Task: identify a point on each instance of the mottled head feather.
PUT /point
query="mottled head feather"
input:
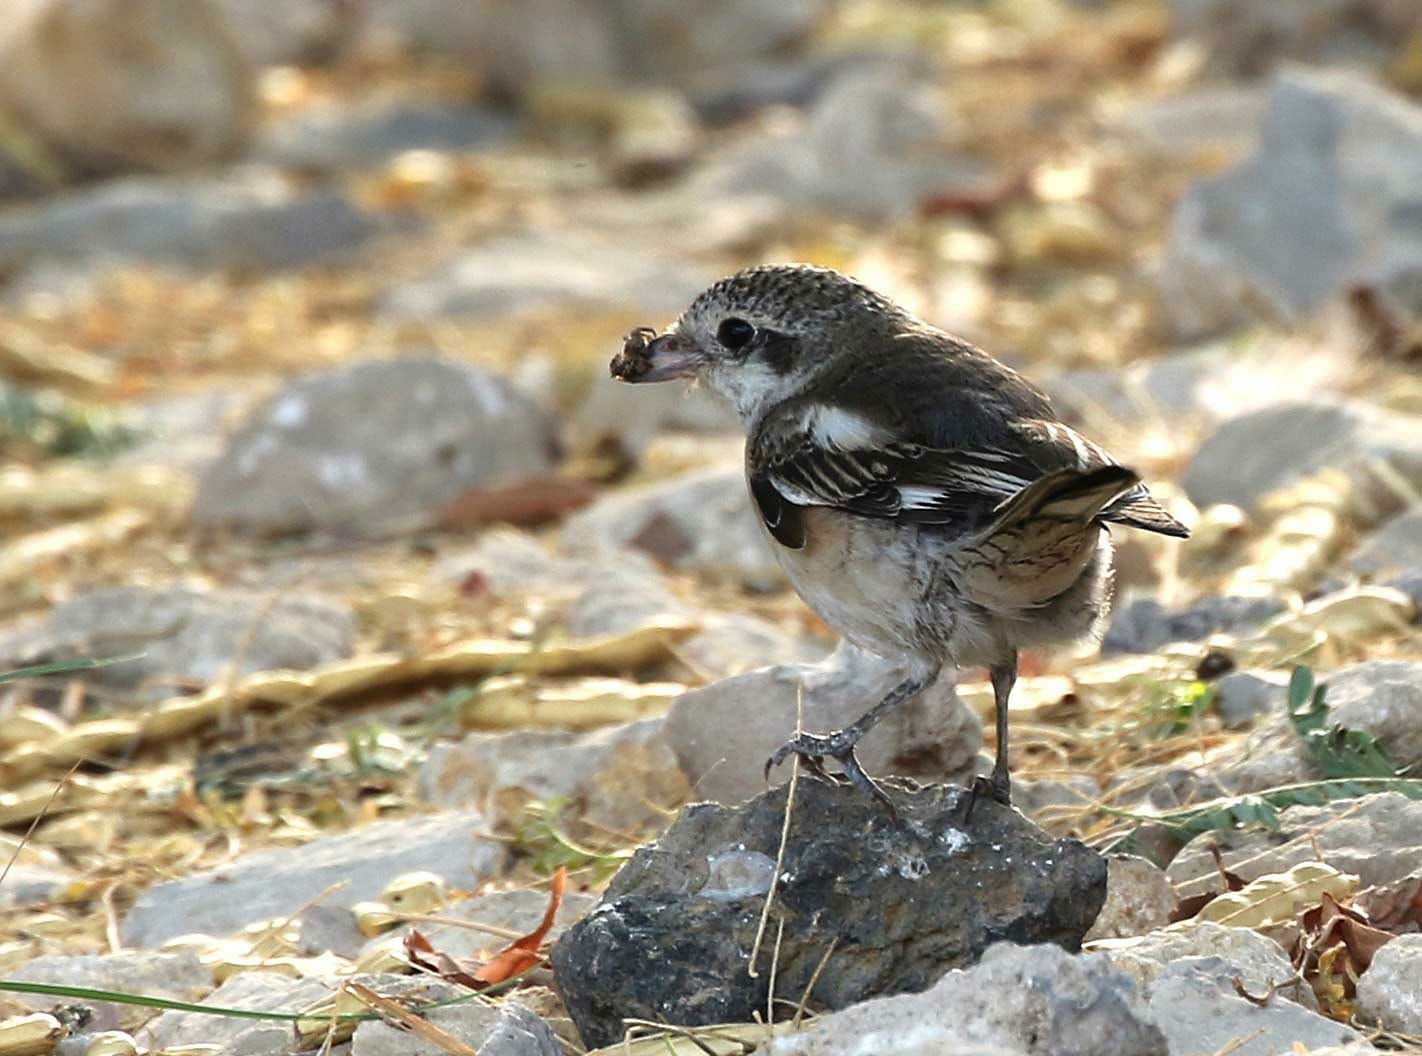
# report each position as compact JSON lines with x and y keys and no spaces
{"x":795,"y":295}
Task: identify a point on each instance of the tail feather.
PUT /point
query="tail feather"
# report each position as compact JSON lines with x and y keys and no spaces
{"x":1066,"y":495}
{"x":1137,"y":509}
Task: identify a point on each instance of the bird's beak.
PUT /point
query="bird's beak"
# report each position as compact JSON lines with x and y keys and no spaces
{"x":645,"y":358}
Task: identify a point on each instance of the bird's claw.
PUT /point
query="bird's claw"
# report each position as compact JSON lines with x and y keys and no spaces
{"x":998,"y":788}
{"x":813,"y":748}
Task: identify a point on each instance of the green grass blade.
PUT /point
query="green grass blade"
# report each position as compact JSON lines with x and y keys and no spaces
{"x":64,"y":667}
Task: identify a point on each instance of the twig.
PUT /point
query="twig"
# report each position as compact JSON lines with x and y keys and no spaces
{"x":810,"y":986}
{"x":774,"y":972}
{"x":784,"y":837}
{"x":38,"y":818}
{"x":416,"y":1025}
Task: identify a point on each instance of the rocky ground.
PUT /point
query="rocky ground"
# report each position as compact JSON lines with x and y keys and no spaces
{"x":417,"y":628}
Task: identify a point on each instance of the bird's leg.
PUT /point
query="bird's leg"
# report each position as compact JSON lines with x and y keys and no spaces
{"x":999,"y":786}
{"x":840,"y":744}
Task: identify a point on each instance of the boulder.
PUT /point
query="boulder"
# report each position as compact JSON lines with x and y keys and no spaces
{"x":671,"y":939}
{"x":1395,"y":547}
{"x":377,"y":445}
{"x":1382,"y":698}
{"x":1390,"y":991}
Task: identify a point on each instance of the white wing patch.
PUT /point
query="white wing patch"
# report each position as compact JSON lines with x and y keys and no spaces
{"x":835,"y":427}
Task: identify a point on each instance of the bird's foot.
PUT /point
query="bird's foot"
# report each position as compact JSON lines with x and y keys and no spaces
{"x":998,"y":788}
{"x":812,"y":750}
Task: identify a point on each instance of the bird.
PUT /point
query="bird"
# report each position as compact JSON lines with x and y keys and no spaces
{"x":922,"y":497}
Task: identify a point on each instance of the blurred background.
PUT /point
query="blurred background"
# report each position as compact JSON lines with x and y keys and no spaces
{"x":305,"y":315}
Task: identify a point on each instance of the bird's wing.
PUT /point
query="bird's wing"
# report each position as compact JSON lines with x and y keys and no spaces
{"x":816,"y":455}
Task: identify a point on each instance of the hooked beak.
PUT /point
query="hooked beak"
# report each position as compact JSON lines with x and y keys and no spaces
{"x":648,"y":358}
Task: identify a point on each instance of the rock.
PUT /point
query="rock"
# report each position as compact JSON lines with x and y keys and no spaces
{"x":170,"y":976}
{"x":187,"y":637}
{"x":249,"y":222}
{"x":1243,"y":696}
{"x":256,"y":991}
{"x":379,"y":443}
{"x":723,"y":733}
{"x":616,"y":597}
{"x":1410,"y":584}
{"x":1031,"y":1000}
{"x":632,"y":416}
{"x":183,"y":432}
{"x":1244,"y":39}
{"x":877,"y":142}
{"x":1196,"y":1007}
{"x":734,"y":644}
{"x":1390,"y":991}
{"x":1382,"y":698}
{"x":1213,"y":120}
{"x":1034,"y":797}
{"x":1377,"y":838}
{"x":672,"y":936}
{"x":529,"y":271}
{"x":1139,"y":899}
{"x":339,"y":138}
{"x":294,"y":32}
{"x":1248,"y":457}
{"x":1330,"y":197}
{"x":278,"y":882}
{"x":640,"y":40}
{"x":519,"y":911}
{"x":1394,"y":547}
{"x":117,"y":85}
{"x":621,"y":779}
{"x":30,"y":885}
{"x":503,"y":1030}
{"x":1145,"y":625}
{"x":331,"y":929}
{"x":1260,"y":963}
{"x":700,"y":522}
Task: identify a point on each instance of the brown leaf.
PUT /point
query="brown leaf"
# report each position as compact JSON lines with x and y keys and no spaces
{"x":514,"y":959}
{"x":1395,"y":907}
{"x":526,"y":503}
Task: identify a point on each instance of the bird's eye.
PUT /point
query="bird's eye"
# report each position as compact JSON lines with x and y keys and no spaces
{"x":735,"y":333}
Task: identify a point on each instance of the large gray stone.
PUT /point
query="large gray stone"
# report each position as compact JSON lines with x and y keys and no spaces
{"x":277,"y":882}
{"x":1196,"y":1006}
{"x":1382,"y":698}
{"x":117,"y":85}
{"x":723,"y":733}
{"x":672,"y":937}
{"x":254,"y":991}
{"x":1028,"y":1000}
{"x":1390,"y":991}
{"x":252,"y":222}
{"x":700,"y":522}
{"x":1377,"y":838}
{"x":876,"y":142}
{"x":1249,"y":456}
{"x":171,"y":976}
{"x":507,"y":1029}
{"x":380,"y":444}
{"x":1259,"y":962}
{"x":186,"y":637}
{"x":1395,"y":547}
{"x":1333,"y":195}
{"x":1145,"y":625}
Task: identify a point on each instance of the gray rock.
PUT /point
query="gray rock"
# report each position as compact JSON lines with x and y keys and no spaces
{"x":246,"y":222}
{"x":523,"y":272}
{"x":519,"y":911}
{"x":172,"y":976}
{"x":1031,"y":1000}
{"x":1195,"y":1005}
{"x":1038,"y":796}
{"x":380,"y":443}
{"x":620,"y":779}
{"x":338,"y":138}
{"x":1260,"y":963}
{"x":1378,"y":838}
{"x":1330,"y":197}
{"x":185,"y":432}
{"x":280,"y":881}
{"x":1394,"y":547}
{"x":632,"y":416}
{"x":876,"y":142}
{"x":1410,"y":583}
{"x":1248,"y":457}
{"x":1139,"y":899}
{"x":331,"y":929}
{"x":31,"y":884}
{"x":616,"y":597}
{"x":1214,"y":119}
{"x":1390,"y":991}
{"x":723,"y":733}
{"x":1242,"y":39}
{"x":1243,"y":696}
{"x":1382,"y":698}
{"x":672,"y":936}
{"x":701,"y":522}
{"x":294,"y":32}
{"x":185,"y":636}
{"x":733,"y":644}
{"x":117,"y":85}
{"x":504,"y":1030}
{"x":657,"y":40}
{"x":1145,"y":624}
{"x":255,"y":991}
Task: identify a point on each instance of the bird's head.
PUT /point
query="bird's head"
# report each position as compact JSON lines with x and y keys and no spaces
{"x":759,"y":336}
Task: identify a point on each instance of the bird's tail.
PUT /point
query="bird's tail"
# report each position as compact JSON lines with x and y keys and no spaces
{"x":1072,"y":495}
